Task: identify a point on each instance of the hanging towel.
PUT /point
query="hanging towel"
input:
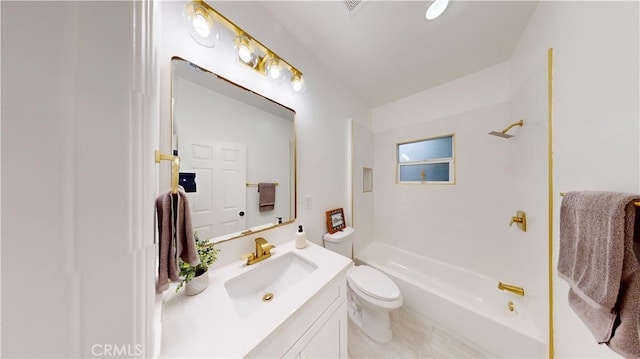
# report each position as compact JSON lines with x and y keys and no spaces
{"x":176,"y":237}
{"x":267,"y":199}
{"x":597,"y":259}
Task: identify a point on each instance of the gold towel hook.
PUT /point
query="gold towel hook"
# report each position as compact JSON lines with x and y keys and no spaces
{"x":175,"y":168}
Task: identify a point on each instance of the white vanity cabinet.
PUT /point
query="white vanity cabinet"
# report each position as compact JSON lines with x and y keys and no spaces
{"x":304,"y":319}
{"x":318,"y":329}
{"x":330,"y":341}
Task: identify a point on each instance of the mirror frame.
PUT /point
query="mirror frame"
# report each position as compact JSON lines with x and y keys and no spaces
{"x":294,"y":191}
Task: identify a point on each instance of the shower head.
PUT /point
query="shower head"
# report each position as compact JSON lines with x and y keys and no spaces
{"x":500,"y":134}
{"x":504,"y":133}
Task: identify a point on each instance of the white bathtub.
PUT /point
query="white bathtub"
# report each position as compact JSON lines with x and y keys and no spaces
{"x":464,"y":303}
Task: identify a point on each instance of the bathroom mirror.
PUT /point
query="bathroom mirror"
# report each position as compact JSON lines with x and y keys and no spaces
{"x":232,"y":139}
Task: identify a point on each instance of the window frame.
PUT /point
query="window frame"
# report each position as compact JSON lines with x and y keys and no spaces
{"x":450,"y":160}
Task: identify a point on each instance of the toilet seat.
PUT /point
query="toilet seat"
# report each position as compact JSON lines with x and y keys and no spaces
{"x":373,"y":283}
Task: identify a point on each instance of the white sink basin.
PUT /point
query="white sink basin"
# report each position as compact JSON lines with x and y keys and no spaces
{"x":267,"y":282}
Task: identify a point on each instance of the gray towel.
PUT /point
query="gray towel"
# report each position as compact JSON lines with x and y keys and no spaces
{"x":596,"y":258}
{"x":267,"y":199}
{"x":176,"y":237}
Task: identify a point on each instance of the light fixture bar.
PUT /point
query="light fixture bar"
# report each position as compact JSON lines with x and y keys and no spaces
{"x":260,"y":67}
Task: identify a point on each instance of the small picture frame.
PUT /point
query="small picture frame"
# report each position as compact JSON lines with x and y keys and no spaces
{"x":335,"y":220}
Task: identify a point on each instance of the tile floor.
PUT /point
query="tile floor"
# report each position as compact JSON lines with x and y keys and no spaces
{"x":411,"y":339}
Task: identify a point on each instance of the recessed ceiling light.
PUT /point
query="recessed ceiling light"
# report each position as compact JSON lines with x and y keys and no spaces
{"x":436,"y":9}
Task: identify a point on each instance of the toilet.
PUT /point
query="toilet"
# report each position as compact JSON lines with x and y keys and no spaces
{"x":371,"y":295}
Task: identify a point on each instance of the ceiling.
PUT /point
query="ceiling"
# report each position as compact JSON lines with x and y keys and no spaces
{"x":387,"y":50}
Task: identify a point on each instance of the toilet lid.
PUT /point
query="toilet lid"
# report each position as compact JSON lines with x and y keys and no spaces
{"x":374,"y":283}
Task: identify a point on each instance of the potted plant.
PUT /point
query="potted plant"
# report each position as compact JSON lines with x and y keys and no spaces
{"x":196,"y":278}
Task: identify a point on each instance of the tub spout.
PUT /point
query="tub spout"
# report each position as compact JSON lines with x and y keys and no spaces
{"x":511,"y":288}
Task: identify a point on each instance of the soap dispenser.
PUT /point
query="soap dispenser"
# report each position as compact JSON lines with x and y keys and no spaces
{"x":301,"y":238}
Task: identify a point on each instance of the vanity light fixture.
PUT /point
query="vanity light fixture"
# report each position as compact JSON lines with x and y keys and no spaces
{"x":436,"y":9}
{"x":200,"y":23}
{"x":202,"y":17}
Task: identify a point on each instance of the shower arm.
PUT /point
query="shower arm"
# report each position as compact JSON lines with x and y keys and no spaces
{"x":519,"y":123}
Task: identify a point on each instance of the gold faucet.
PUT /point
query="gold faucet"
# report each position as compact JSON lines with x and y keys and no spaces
{"x":511,"y":288}
{"x":263,"y":251}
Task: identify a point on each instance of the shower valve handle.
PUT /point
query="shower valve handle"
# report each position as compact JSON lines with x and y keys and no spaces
{"x":521,"y":219}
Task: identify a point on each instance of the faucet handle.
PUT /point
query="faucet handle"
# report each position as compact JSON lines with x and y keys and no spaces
{"x":266,"y":248}
{"x":248,"y":257}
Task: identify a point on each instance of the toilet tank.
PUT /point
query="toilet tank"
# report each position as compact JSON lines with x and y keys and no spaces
{"x":340,"y":242}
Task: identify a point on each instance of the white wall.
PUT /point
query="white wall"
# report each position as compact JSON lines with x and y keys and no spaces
{"x":483,"y":88}
{"x":363,"y":205}
{"x":595,"y":116}
{"x":77,"y":190}
{"x":457,"y":223}
{"x":467,"y":224}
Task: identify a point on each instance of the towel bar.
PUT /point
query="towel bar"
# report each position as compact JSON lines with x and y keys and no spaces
{"x":255,"y":184}
{"x":636,"y":203}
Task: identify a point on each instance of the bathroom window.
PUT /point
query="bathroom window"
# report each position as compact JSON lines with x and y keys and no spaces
{"x":427,"y":161}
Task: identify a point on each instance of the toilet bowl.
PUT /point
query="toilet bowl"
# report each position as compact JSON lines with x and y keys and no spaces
{"x":374,"y":296}
{"x":371,"y":295}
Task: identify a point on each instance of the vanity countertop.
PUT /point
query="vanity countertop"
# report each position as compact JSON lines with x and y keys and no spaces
{"x":209,"y":325}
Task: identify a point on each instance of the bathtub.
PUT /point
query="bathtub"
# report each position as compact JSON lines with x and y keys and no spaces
{"x":463,"y":303}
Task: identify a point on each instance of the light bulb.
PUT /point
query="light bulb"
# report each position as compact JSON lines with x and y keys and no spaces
{"x":297,"y":83}
{"x":436,"y":9}
{"x":201,"y":26}
{"x":275,"y":72}
{"x":245,"y":51}
{"x":274,"y":69}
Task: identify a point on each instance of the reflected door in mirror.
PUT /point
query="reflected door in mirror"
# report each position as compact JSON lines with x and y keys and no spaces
{"x":218,"y":205}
